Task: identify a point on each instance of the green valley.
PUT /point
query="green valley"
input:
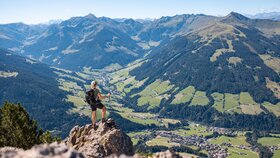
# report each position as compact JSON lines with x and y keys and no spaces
{"x":205,"y":86}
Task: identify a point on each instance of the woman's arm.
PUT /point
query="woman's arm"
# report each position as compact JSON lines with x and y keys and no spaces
{"x":101,"y":97}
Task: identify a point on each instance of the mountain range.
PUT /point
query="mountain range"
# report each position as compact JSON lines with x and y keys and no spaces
{"x":189,"y":62}
{"x":75,"y":43}
{"x":95,"y":42}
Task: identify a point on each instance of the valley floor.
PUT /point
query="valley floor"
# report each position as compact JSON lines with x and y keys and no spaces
{"x":192,"y":140}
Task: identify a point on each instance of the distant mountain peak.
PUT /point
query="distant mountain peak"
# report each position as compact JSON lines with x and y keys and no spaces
{"x":236,"y":16}
{"x":91,"y":16}
{"x":130,"y":20}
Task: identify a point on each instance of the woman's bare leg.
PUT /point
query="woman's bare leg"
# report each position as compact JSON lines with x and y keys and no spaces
{"x":93,"y":117}
{"x":103,"y":112}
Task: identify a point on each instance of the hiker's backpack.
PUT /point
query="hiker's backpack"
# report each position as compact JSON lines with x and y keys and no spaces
{"x":90,"y":98}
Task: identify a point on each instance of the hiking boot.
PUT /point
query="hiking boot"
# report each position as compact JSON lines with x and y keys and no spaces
{"x":103,"y":120}
{"x":95,"y":126}
{"x":111,"y":123}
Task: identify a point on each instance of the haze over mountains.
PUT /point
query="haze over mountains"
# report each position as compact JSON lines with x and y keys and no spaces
{"x":270,"y":15}
{"x":89,"y":39}
{"x":214,"y":57}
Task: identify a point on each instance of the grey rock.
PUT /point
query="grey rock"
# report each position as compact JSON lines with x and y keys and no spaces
{"x":53,"y":150}
{"x":8,"y":152}
{"x":85,"y":142}
{"x":107,"y":139}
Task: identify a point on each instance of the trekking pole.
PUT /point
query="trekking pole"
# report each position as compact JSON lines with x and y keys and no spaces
{"x":85,"y":102}
{"x":110,"y":96}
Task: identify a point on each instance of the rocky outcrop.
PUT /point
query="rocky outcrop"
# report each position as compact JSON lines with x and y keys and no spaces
{"x":107,"y":139}
{"x":56,"y":150}
{"x":85,"y":142}
{"x":53,"y":150}
{"x":8,"y":152}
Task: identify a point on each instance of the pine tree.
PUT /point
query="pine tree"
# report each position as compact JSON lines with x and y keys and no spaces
{"x":48,"y":138}
{"x":18,"y":130}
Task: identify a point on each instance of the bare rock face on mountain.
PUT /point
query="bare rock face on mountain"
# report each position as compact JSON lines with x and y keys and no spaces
{"x":107,"y":139}
{"x":53,"y":150}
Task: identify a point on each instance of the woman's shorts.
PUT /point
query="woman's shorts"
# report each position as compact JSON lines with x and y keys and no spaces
{"x":98,"y":105}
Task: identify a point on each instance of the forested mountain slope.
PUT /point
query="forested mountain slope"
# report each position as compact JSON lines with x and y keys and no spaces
{"x":35,"y":86}
{"x":233,"y":55}
{"x":225,"y":72}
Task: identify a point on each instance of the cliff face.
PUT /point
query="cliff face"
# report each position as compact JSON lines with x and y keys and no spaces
{"x":107,"y":139}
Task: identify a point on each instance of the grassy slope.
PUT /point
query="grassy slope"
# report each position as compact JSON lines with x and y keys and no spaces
{"x":218,"y":101}
{"x":194,"y":130}
{"x":232,"y":103}
{"x":269,"y":141}
{"x":161,"y":141}
{"x":240,"y":103}
{"x":235,"y":153}
{"x":199,"y":98}
{"x":135,"y":140}
{"x":248,"y":105}
{"x":141,"y":118}
{"x":275,"y":109}
{"x":184,"y":95}
{"x":238,"y":140}
{"x":154,"y":93}
{"x":276,"y":154}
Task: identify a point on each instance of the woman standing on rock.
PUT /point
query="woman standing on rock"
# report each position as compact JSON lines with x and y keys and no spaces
{"x":93,"y":98}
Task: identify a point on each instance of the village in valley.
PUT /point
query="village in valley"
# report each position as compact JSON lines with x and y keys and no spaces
{"x":213,"y":141}
{"x":197,"y":140}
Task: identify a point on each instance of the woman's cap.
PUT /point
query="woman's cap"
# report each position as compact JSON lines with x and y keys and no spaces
{"x":93,"y":83}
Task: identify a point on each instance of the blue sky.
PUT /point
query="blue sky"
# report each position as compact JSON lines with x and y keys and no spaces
{"x":39,"y":11}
